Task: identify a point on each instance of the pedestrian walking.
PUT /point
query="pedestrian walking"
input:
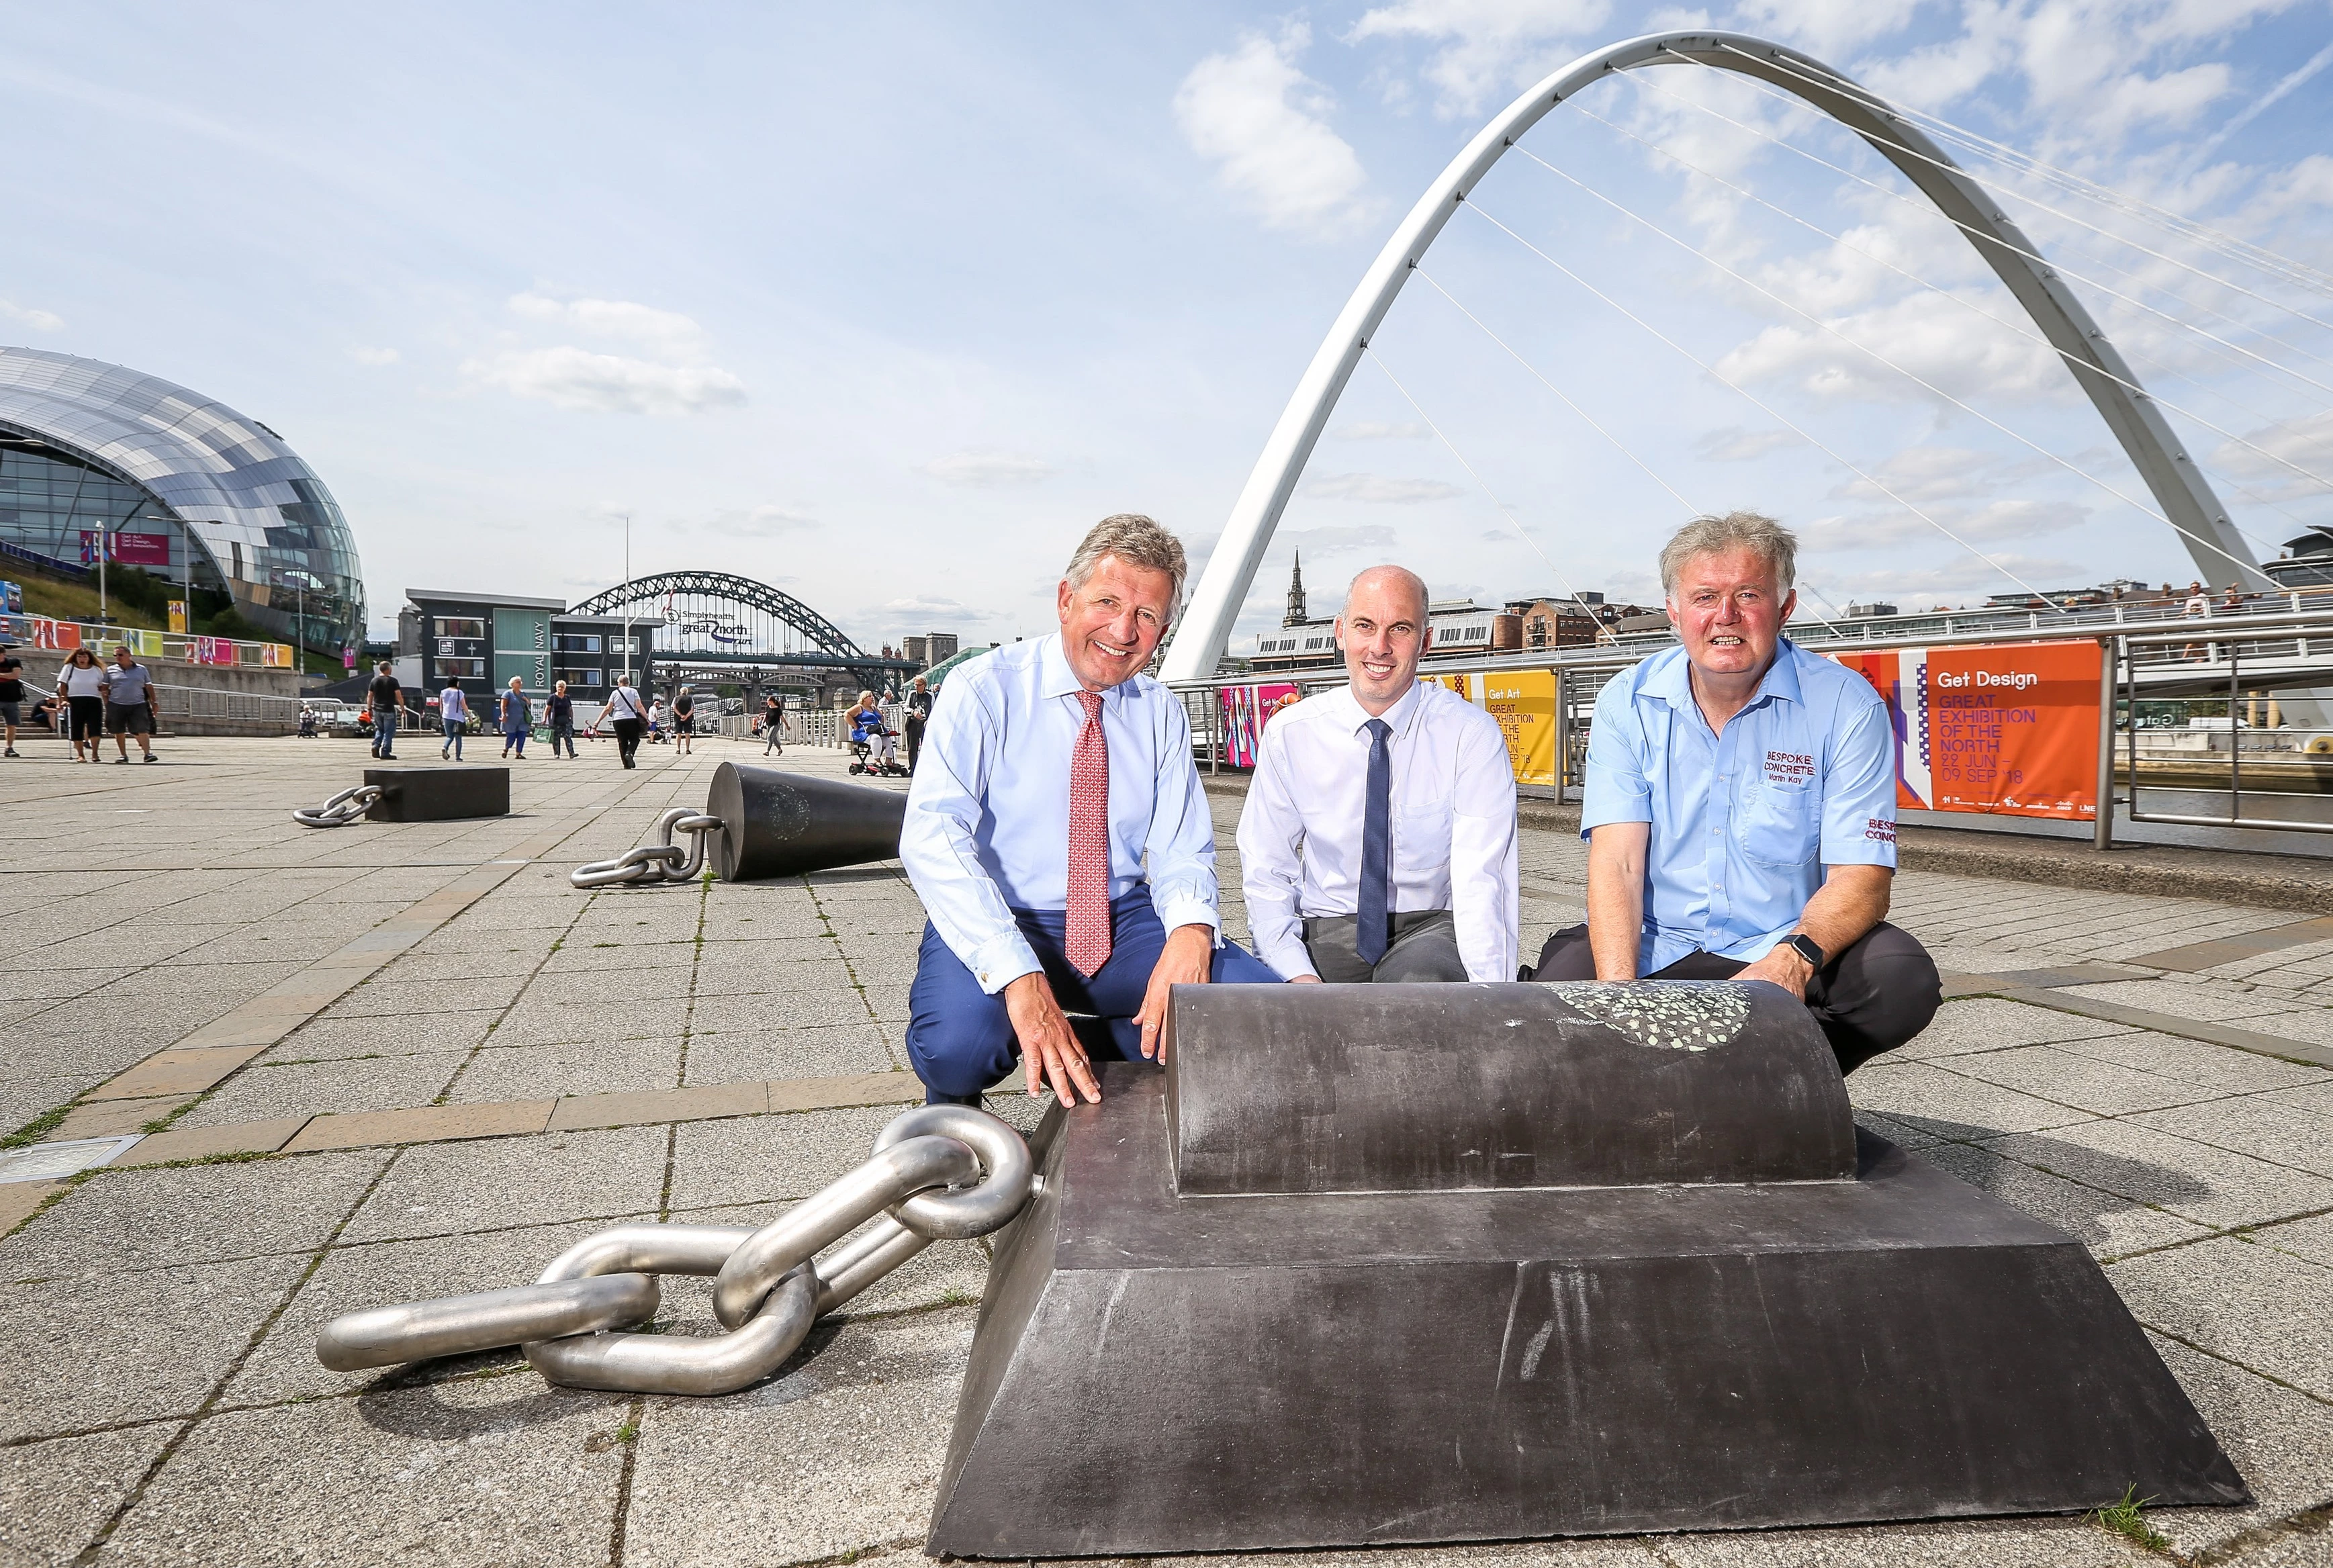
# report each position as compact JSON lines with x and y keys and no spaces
{"x":517,"y":721}
{"x":80,"y":686}
{"x":12,"y":694}
{"x":773,"y":721}
{"x":559,"y":709}
{"x":387,"y":700}
{"x":626,"y":717}
{"x":683,"y":720}
{"x":920,"y":713}
{"x":454,"y":712}
{"x":128,"y":691}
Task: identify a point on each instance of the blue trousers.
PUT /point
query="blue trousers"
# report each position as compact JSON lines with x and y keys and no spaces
{"x":455,"y":730}
{"x":384,"y":733}
{"x":959,"y":1039}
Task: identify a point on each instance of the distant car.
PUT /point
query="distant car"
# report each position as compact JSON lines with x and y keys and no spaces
{"x":339,"y":719}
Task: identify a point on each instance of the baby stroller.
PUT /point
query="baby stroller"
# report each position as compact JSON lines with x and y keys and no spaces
{"x":872,"y":752}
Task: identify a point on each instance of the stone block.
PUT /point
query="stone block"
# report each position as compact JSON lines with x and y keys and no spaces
{"x":421,"y":1124}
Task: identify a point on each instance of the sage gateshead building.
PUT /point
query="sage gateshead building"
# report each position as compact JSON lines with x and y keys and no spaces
{"x":181,"y":487}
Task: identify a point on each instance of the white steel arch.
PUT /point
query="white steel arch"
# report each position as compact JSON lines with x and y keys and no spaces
{"x":2179,"y":487}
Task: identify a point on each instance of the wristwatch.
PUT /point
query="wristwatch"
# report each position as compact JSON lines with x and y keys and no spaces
{"x":1801,"y":944}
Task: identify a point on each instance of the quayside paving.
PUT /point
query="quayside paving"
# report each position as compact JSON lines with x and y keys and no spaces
{"x":389,"y":1062}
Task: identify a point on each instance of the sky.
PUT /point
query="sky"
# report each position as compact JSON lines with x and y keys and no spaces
{"x":885,"y":304}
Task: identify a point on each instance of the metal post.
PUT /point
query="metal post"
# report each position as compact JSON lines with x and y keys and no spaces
{"x":104,"y":618}
{"x":1562,"y":738}
{"x":2235,"y":791}
{"x":2130,"y":663}
{"x":2102,"y":835}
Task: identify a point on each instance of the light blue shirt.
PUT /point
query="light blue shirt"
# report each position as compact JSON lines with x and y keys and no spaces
{"x":1742,"y":823}
{"x":988,"y":816}
{"x":451,"y":705}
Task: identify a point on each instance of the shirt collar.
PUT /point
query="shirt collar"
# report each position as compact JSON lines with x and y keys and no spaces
{"x":1671,"y":681}
{"x":1397,"y":717}
{"x":1056,"y":679}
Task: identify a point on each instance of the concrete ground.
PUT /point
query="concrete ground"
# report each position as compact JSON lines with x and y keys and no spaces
{"x":391,"y":1061}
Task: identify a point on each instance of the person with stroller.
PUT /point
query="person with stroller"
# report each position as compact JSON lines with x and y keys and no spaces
{"x":773,"y":723}
{"x":454,"y":713}
{"x":517,"y":720}
{"x":559,"y":709}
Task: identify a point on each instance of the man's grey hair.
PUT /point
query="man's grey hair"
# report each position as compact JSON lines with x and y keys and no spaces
{"x":1416,"y":585}
{"x":1136,"y":540}
{"x":1775,"y":544}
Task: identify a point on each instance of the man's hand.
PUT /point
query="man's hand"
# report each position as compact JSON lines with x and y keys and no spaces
{"x":1306,"y":980}
{"x":1185,"y":960}
{"x":1050,"y":1053}
{"x":1782,"y":967}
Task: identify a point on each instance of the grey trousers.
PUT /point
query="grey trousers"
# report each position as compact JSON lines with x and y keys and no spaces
{"x":1423,"y":946}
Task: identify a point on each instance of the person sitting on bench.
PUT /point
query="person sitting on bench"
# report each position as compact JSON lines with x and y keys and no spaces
{"x":1740,"y":808}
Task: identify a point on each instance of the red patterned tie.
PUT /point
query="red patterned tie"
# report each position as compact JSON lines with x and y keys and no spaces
{"x":1089,"y":933}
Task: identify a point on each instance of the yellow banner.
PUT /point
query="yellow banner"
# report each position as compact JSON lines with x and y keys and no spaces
{"x":1523,"y":702}
{"x":145,"y":644}
{"x":178,"y":617}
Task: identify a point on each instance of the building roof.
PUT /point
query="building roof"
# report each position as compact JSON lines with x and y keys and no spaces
{"x":454,"y":596}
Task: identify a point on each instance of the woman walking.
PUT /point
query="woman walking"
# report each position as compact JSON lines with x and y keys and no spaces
{"x":516,"y":721}
{"x":625,"y":715}
{"x":561,"y":711}
{"x":683,"y":720}
{"x":773,"y":724}
{"x":454,"y":711}
{"x":81,"y":683}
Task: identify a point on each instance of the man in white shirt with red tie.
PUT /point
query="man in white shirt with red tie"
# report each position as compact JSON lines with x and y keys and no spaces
{"x":1060,"y":843}
{"x":1379,"y":842}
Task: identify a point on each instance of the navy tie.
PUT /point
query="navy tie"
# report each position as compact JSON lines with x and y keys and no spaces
{"x":1377,"y":837}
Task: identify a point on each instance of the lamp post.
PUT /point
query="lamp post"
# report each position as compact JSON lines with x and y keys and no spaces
{"x":628,"y":615}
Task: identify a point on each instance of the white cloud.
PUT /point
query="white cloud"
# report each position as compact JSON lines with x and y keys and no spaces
{"x":364,"y":356}
{"x":1378,"y":489}
{"x":571,"y":378}
{"x":759,"y":523}
{"x":988,"y":470}
{"x":1988,"y":575}
{"x":2306,"y":443}
{"x":1373,"y":537}
{"x":1383,"y":430}
{"x":40,"y":321}
{"x":928,"y":612}
{"x":665,"y":334}
{"x":1263,"y":123}
{"x":1733,"y":444}
{"x":1485,"y":46}
{"x":1960,"y":356}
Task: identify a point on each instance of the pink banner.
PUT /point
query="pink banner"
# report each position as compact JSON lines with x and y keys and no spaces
{"x":1246,"y":709}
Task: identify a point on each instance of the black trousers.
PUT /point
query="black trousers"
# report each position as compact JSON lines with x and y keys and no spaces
{"x":1421,"y":945}
{"x":913,"y":732}
{"x":628,"y":739}
{"x":1872,"y":998}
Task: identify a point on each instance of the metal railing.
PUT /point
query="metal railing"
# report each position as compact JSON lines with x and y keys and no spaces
{"x":2272,"y":643}
{"x":51,"y":635}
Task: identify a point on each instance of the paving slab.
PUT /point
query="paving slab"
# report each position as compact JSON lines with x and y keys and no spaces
{"x":55,"y":1496}
{"x":2252,"y":1304}
{"x":2213,"y":1186}
{"x":266,"y":1091}
{"x":334,"y":1038}
{"x":770,"y":1158}
{"x":1993,"y":1544}
{"x":831,"y":1050}
{"x":124,"y":1219}
{"x":2311,"y":1239}
{"x":540,"y":1071}
{"x":2253,"y":1125}
{"x":2277,"y":1437}
{"x":2108,"y":1224}
{"x":421,"y":1124}
{"x":2198,"y":1062}
{"x":442,"y":1188}
{"x":2210,"y":1001}
{"x":235,"y":1138}
{"x":2087,"y":1082}
{"x":507,"y":1470}
{"x":163,"y":1338}
{"x":1930,"y":1096}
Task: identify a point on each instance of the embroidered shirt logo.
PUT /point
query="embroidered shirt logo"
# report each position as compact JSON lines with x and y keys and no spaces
{"x":1788,"y":767}
{"x":1879,"y":832}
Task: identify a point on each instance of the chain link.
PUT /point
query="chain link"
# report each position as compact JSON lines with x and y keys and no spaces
{"x":938,"y":1172}
{"x":342,"y":810}
{"x":662,"y":860}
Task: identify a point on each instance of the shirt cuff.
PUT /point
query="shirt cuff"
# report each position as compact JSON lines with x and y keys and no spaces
{"x":1187,"y":910}
{"x":1001,"y":960}
{"x":1288,"y":959}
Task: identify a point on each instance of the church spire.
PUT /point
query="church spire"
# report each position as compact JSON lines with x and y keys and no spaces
{"x":1296,"y":616}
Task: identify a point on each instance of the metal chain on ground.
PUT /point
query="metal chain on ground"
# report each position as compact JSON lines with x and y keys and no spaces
{"x":342,"y":810}
{"x":661,"y":862}
{"x":937,"y":1173}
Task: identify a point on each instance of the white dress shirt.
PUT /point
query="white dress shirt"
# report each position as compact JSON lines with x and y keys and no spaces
{"x":1454,"y":843}
{"x":988,"y":816}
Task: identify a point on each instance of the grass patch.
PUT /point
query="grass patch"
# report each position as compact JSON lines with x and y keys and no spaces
{"x":239,"y":1157}
{"x":37,"y":1128}
{"x":627,"y":1431}
{"x":2127,"y":1520}
{"x":956,"y":1295}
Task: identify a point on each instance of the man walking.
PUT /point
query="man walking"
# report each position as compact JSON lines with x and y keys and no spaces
{"x":625,"y":716}
{"x":128,"y":691}
{"x":1741,"y":808}
{"x":12,"y":695}
{"x":1060,"y":842}
{"x":683,"y":720}
{"x":920,"y":713}
{"x":388,"y":702}
{"x":1379,"y":842}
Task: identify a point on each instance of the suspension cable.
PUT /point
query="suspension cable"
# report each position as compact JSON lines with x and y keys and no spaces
{"x":2025,"y":331}
{"x":1908,"y":374}
{"x":1767,"y":409}
{"x":1981,"y":237}
{"x":1839,"y":85}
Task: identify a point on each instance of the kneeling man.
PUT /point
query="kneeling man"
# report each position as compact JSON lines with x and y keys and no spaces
{"x":1741,"y":808}
{"x":1057,"y":837}
{"x":1379,"y":838}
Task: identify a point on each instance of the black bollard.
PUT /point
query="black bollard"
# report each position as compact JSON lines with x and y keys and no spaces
{"x":438,"y":794}
{"x":1369,"y":1264}
{"x":776,"y":824}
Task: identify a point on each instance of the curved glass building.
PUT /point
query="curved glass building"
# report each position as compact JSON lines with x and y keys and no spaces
{"x":190,"y":490}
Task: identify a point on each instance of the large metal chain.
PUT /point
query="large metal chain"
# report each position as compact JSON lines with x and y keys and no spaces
{"x":937,"y":1173}
{"x":661,"y":862}
{"x":342,"y":810}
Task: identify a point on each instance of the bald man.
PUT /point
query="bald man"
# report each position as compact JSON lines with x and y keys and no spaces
{"x":1377,"y":842}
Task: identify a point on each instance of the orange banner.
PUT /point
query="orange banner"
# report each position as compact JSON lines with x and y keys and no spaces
{"x":2009,"y":730}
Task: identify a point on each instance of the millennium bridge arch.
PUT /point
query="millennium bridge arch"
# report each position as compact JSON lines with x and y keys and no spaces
{"x":2179,"y":489}
{"x":717,"y":625}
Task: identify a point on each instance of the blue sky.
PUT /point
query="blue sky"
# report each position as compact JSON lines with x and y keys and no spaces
{"x":885,"y":303}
